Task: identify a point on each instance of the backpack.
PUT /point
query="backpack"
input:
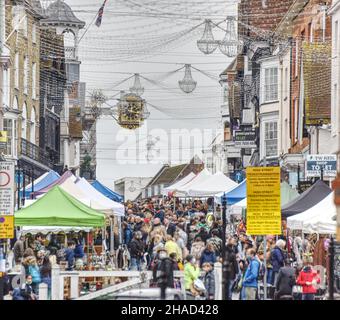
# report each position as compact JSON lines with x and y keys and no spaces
{"x":34,"y":272}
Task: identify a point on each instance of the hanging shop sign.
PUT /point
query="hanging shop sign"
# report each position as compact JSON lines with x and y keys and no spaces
{"x":304,"y":185}
{"x":245,"y":139}
{"x":7,"y":185}
{"x":317,"y":92}
{"x":6,"y":227}
{"x":315,"y":163}
{"x":263,"y":201}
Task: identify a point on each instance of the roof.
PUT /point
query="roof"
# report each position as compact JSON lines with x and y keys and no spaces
{"x":61,"y":13}
{"x":169,"y":174}
{"x":235,"y":65}
{"x":58,"y":208}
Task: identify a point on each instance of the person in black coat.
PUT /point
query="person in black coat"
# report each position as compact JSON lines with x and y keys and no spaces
{"x":163,"y":271}
{"x":169,"y":227}
{"x":136,"y":248}
{"x":285,"y":282}
{"x":232,"y":266}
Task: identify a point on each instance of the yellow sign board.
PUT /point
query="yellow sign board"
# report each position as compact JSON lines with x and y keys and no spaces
{"x":263,"y":201}
{"x":6,"y":227}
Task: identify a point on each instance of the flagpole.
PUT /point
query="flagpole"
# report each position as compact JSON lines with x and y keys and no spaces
{"x":94,"y":19}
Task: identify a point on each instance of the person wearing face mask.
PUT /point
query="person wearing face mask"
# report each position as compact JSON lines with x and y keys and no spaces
{"x":26,"y":291}
{"x":191,"y":272}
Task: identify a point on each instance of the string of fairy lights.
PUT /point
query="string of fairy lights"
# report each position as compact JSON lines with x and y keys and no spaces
{"x":158,"y":27}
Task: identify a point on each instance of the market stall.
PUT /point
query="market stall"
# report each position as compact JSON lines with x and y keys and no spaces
{"x":212,"y":185}
{"x":317,"y":219}
{"x":179,"y":184}
{"x":43,"y":181}
{"x":57,"y":182}
{"x":182,"y":191}
{"x":235,"y":195}
{"x":107,"y":192}
{"x":316,"y":193}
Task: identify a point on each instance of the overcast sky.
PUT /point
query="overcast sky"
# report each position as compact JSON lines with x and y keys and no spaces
{"x":152,"y":38}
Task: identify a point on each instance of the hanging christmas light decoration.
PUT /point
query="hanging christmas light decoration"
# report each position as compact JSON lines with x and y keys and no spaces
{"x":188,"y":84}
{"x":230,"y":45}
{"x":131,"y":111}
{"x":207,"y":44}
{"x":137,"y":86}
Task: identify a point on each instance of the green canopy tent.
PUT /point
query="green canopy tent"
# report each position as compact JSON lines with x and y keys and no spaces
{"x":287,"y":193}
{"x":58,"y":208}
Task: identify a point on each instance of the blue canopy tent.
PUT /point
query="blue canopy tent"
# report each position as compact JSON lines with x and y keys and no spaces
{"x":237,"y":194}
{"x":107,"y":192}
{"x":41,"y":183}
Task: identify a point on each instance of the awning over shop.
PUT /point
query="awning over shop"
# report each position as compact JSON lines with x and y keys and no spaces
{"x":94,"y":195}
{"x":42,"y":182}
{"x":57,"y":182}
{"x":108,"y":193}
{"x":317,"y":192}
{"x":58,"y":208}
{"x":201,"y":177}
{"x":212,"y":186}
{"x":179,"y":183}
{"x":317,"y":219}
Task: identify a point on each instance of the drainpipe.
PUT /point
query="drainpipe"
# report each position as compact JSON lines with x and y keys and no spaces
{"x":2,"y":44}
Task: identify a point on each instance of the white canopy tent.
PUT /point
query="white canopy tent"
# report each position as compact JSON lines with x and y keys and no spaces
{"x":29,"y":186}
{"x":212,"y":186}
{"x":179,"y":183}
{"x":236,"y":209}
{"x":70,"y":187}
{"x":183,"y":190}
{"x":94,"y":195}
{"x":317,"y":219}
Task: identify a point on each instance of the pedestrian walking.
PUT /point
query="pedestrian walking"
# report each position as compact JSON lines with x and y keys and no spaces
{"x":209,"y":280}
{"x":250,"y":281}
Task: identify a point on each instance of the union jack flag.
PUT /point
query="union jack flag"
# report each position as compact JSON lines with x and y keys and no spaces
{"x":100,"y":14}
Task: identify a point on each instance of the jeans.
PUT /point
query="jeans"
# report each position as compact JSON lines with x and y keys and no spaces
{"x":308,"y":296}
{"x":270,"y":279}
{"x":230,"y":292}
{"x":135,"y":264}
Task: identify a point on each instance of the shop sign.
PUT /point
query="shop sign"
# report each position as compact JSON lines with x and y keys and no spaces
{"x":315,"y":163}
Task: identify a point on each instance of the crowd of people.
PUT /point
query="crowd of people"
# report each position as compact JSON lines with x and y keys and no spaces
{"x":163,"y":237}
{"x":187,"y":236}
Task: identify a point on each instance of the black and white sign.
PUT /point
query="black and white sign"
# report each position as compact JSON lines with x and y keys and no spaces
{"x":317,"y":162}
{"x":7,"y":188}
{"x":245,"y":139}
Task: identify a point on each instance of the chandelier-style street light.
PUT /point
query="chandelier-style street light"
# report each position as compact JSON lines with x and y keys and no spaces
{"x":207,"y":44}
{"x":137,"y":86}
{"x":230,"y":45}
{"x":188,"y":84}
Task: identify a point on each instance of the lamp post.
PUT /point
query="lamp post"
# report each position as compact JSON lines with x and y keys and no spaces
{"x":225,"y":273}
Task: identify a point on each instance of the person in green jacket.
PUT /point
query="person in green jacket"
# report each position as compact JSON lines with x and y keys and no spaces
{"x":191,"y":272}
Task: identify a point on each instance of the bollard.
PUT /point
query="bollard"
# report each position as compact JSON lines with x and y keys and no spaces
{"x":218,"y":280}
{"x":43,"y":291}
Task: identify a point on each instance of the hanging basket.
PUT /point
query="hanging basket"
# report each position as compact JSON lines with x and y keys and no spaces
{"x":137,"y":88}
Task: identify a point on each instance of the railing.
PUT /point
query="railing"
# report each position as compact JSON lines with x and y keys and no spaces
{"x":134,"y":278}
{"x":35,"y":153}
